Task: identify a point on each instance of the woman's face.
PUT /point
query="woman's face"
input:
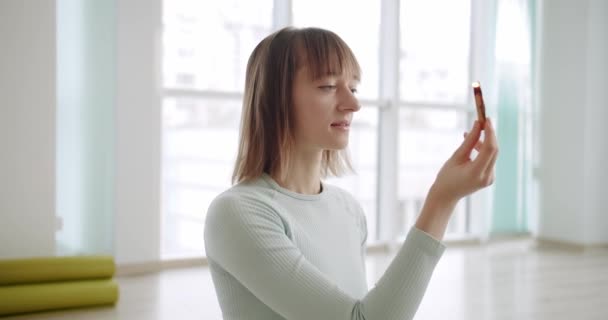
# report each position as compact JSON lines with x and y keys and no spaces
{"x":323,"y":110}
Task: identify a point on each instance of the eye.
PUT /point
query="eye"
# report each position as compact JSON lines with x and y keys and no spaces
{"x":354,"y":90}
{"x":327,"y":87}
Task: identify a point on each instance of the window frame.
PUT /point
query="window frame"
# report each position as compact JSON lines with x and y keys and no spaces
{"x":388,"y":104}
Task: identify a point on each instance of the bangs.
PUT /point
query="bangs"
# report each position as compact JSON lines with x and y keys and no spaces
{"x":326,"y":54}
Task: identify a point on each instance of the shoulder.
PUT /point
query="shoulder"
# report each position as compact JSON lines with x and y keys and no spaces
{"x":239,"y":200}
{"x":239,"y":216}
{"x":240,"y":207}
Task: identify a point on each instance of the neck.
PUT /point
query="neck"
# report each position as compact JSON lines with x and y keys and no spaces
{"x":304,"y":174}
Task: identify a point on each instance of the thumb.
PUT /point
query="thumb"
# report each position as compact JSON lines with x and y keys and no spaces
{"x":464,"y":151}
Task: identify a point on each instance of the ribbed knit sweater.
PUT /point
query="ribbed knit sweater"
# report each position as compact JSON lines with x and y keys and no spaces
{"x":277,"y":254}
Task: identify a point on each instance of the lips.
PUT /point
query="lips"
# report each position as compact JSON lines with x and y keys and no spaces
{"x":341,"y":124}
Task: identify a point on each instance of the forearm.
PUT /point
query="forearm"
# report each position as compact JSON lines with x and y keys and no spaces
{"x":398,"y":293}
{"x":435,"y":215}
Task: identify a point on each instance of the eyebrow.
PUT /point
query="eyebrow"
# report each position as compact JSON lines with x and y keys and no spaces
{"x":334,"y":74}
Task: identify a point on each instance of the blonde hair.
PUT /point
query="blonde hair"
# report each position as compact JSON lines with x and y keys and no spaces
{"x":267,"y":121}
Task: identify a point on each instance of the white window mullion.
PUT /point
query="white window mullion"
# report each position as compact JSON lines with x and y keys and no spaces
{"x":483,"y":15}
{"x":471,"y":115}
{"x":281,"y":14}
{"x":388,"y":141}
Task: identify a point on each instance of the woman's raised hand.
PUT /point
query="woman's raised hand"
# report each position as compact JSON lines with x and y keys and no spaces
{"x":460,"y":176}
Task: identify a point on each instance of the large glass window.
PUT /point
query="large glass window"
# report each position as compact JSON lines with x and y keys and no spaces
{"x":428,"y":137}
{"x":200,"y":137}
{"x":206,"y":45}
{"x":434,"y":89}
{"x":435,"y":42}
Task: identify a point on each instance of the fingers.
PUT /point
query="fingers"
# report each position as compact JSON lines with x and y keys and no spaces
{"x":477,"y":145}
{"x":492,"y":147}
{"x":490,"y":168}
{"x":471,"y":139}
{"x":484,"y":163}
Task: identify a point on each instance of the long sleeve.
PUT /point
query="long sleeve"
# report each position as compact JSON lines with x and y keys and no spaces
{"x":249,"y":240}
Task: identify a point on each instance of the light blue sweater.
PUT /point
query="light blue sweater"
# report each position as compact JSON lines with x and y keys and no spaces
{"x":277,"y":254}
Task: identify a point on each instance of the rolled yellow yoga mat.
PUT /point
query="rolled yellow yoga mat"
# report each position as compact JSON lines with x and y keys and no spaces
{"x":56,"y":295}
{"x":45,"y":269}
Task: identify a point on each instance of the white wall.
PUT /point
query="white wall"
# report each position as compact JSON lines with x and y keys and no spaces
{"x":596,"y":126}
{"x":28,"y":122}
{"x":572,"y":98}
{"x":138,"y":132}
{"x":27,"y":128}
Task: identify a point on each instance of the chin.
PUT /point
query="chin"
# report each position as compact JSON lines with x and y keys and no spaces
{"x":337,"y":145}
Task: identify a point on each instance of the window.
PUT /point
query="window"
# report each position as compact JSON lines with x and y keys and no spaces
{"x":434,"y":77}
{"x":435,"y":41}
{"x":427,"y":138}
{"x":209,"y":42}
{"x":200,"y":138}
{"x":206,"y":46}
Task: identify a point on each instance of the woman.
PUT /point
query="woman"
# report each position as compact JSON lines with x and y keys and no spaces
{"x":281,"y":244}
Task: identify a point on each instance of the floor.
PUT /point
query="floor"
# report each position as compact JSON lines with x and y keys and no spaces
{"x":503,"y":280}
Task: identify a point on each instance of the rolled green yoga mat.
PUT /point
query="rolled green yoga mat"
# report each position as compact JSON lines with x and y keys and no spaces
{"x":43,"y":269}
{"x":48,"y":296}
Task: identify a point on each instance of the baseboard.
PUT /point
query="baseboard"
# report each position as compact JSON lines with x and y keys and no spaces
{"x":507,"y":236}
{"x":548,"y":243}
{"x":130,"y":269}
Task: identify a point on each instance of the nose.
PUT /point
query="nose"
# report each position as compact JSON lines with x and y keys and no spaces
{"x":348,"y":101}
